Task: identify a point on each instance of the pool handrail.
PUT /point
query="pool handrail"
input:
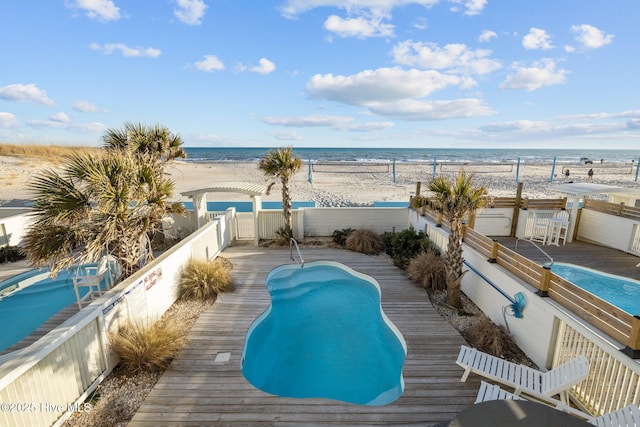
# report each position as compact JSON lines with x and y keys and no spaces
{"x":549,"y":264}
{"x":300,"y":260}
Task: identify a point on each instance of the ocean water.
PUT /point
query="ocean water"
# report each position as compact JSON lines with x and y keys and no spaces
{"x":441,"y":155}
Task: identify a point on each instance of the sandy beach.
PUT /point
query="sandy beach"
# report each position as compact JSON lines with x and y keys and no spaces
{"x":344,"y":185}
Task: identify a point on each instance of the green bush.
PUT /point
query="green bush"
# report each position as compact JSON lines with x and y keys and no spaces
{"x":406,"y":244}
{"x":11,"y":254}
{"x":340,"y":236}
{"x":203,"y":281}
{"x":364,"y":241}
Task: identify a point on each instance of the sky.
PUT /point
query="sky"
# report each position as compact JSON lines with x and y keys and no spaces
{"x":324,"y":73}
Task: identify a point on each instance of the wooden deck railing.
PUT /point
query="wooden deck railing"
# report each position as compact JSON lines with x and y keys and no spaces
{"x":618,"y":324}
{"x":618,"y":209}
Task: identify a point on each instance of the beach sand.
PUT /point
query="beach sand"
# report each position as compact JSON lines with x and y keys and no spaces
{"x":343,"y":185}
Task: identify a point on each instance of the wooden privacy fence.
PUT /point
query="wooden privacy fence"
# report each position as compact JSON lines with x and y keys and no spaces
{"x":618,"y":324}
{"x":618,"y":209}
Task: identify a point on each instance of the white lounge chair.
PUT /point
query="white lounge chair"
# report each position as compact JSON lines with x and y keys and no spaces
{"x":629,"y":416}
{"x":521,"y":378}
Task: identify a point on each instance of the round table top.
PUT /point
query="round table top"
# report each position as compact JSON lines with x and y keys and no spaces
{"x":514,"y":413}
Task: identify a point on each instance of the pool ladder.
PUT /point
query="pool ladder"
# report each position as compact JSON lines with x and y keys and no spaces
{"x":293,"y":243}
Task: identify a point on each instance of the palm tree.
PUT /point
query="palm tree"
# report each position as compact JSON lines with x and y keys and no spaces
{"x":281,"y":163}
{"x":99,"y":205}
{"x":455,"y":199}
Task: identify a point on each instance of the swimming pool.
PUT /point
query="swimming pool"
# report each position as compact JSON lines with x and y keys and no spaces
{"x":325,"y":335}
{"x":620,"y":291}
{"x":36,"y":298}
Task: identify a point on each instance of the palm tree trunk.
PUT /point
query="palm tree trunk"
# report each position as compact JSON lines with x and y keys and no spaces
{"x":454,"y":263}
{"x":286,"y":208}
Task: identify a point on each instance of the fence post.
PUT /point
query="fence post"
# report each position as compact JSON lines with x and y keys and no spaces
{"x":553,"y":168}
{"x":633,"y":346}
{"x":394,"y":171}
{"x":435,"y":164}
{"x":494,"y":252}
{"x":516,"y":210}
{"x":543,"y":287}
{"x":309,"y":177}
{"x":518,"y":170}
{"x":637,"y":169}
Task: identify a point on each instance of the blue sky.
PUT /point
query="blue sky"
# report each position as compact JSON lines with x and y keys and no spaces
{"x":322,"y":73}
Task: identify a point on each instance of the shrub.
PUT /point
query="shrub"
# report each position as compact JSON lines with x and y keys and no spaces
{"x":406,"y":244}
{"x":11,"y":254}
{"x":203,"y":281}
{"x":427,"y":270}
{"x":148,"y":347}
{"x":364,"y":241}
{"x":340,"y":236}
{"x":493,"y":339}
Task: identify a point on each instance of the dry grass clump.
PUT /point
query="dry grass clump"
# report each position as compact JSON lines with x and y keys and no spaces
{"x":493,"y":339}
{"x":427,"y":270}
{"x":203,"y":281}
{"x":364,"y":241}
{"x":48,"y":152}
{"x":148,"y":347}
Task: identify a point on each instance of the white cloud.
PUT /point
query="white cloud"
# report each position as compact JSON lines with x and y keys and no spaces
{"x":264,"y":67}
{"x":382,"y":85}
{"x":591,"y":37}
{"x":59,"y":117}
{"x":486,"y":36}
{"x":341,"y":123}
{"x":101,"y":10}
{"x":287,"y":135}
{"x":190,"y":12}
{"x":291,"y":8}
{"x":540,"y":74}
{"x":68,"y":126}
{"x":472,"y":7}
{"x":109,"y":48}
{"x":85,"y":107}
{"x":25,"y":93}
{"x":537,"y":39}
{"x":433,"y":110}
{"x":453,"y":57}
{"x":209,"y":63}
{"x":8,"y":120}
{"x":360,"y":27}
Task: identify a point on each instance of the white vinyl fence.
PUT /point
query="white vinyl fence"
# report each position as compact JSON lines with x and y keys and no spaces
{"x":44,"y":383}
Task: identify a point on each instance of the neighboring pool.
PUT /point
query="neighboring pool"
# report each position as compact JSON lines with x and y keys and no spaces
{"x":620,"y":291}
{"x":36,"y":299}
{"x":325,"y":335}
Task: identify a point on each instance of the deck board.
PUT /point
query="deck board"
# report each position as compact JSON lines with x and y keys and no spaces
{"x":197,"y":391}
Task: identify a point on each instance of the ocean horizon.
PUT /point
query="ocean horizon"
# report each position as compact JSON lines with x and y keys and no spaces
{"x":440,"y":155}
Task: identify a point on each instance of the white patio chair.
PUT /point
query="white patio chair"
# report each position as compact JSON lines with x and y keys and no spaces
{"x":92,"y":279}
{"x":521,"y":378}
{"x":563,"y":218}
{"x":539,"y":229}
{"x":629,"y":416}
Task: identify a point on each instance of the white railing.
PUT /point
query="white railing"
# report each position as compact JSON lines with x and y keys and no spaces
{"x":614,"y":380}
{"x":46,"y":381}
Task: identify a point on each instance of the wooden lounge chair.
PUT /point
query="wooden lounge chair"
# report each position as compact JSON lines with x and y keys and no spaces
{"x":629,"y":416}
{"x":521,"y":378}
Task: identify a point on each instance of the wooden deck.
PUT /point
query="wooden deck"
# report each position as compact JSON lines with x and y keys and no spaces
{"x":588,"y":255}
{"x":196,"y":390}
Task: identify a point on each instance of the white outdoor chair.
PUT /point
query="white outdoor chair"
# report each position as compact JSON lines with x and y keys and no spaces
{"x":92,"y":279}
{"x":539,"y":229}
{"x":629,"y":416}
{"x":563,"y":218}
{"x":521,"y":378}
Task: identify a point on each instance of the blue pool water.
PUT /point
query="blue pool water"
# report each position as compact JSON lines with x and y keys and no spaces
{"x":325,"y":335}
{"x":30,"y":306}
{"x":620,"y":291}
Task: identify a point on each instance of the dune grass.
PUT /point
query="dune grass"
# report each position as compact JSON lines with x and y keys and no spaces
{"x":49,"y":152}
{"x":364,"y":241}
